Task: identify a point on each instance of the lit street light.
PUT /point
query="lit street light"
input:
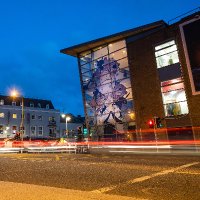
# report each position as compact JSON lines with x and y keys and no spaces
{"x":67,"y":118}
{"x":14,"y":93}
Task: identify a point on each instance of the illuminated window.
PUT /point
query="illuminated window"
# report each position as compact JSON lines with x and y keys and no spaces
{"x":14,"y":115}
{"x":2,"y":102}
{"x":106,"y":85}
{"x":33,"y":130}
{"x":40,"y":130}
{"x":51,"y":118}
{"x":174,"y":97}
{"x":166,"y":54}
{"x":2,"y":115}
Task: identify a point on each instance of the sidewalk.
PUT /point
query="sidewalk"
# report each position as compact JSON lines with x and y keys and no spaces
{"x":20,"y":191}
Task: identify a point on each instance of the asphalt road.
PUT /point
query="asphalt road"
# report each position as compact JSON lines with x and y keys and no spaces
{"x":69,"y":176}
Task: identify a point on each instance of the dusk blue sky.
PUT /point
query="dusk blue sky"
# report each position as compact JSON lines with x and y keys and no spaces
{"x":33,"y":32}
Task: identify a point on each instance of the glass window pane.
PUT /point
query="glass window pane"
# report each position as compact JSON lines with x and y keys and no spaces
{"x":116,"y":46}
{"x":86,"y":68}
{"x":174,"y":96}
{"x":172,"y":81}
{"x":174,"y":109}
{"x":118,"y":54}
{"x":123,"y":63}
{"x":176,"y":86}
{"x":166,"y":50}
{"x":100,"y":53}
{"x":168,"y":59}
{"x":166,"y":44}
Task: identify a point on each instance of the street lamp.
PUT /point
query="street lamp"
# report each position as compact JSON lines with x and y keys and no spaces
{"x":67,"y":119}
{"x":14,"y":93}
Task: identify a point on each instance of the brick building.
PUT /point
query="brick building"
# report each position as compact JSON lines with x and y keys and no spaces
{"x":133,"y":76}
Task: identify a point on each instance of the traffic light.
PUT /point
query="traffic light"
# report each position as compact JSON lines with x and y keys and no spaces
{"x":158,"y":123}
{"x":85,"y":131}
{"x":151,"y":123}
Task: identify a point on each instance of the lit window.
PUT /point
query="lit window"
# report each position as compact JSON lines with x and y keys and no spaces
{"x":40,"y":130}
{"x":116,"y":46}
{"x":47,"y":106}
{"x":2,"y":102}
{"x":33,"y":130}
{"x":31,"y":104}
{"x":51,"y":118}
{"x":166,"y":54}
{"x":13,"y":103}
{"x":100,"y":52}
{"x":14,"y":115}
{"x":174,"y":97}
{"x":2,"y":115}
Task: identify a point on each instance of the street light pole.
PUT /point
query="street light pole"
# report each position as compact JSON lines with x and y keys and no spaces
{"x":67,"y":118}
{"x":22,"y":121}
{"x":15,"y":93}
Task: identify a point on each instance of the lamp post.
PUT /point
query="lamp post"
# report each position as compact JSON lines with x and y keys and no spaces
{"x":67,"y":118}
{"x":15,"y":93}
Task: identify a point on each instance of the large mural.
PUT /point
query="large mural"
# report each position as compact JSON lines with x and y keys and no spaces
{"x":107,"y":88}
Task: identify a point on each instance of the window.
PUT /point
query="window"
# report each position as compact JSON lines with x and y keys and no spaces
{"x":2,"y":115}
{"x":1,"y":129}
{"x":166,"y":54}
{"x":14,"y":129}
{"x":40,"y":130}
{"x":39,"y":105}
{"x":47,"y":106}
{"x":33,"y":117}
{"x":31,"y":104}
{"x":14,"y":116}
{"x":39,"y":117}
{"x":2,"y":102}
{"x":13,"y":103}
{"x":33,"y":130}
{"x":174,"y":97}
{"x":51,"y":118}
{"x":106,"y":84}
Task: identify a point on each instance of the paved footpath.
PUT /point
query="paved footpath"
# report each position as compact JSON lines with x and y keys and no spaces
{"x":19,"y":191}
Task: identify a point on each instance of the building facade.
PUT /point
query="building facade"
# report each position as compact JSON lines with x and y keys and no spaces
{"x":148,"y":72}
{"x":41,"y":120}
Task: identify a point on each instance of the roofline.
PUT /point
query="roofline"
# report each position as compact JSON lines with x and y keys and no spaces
{"x":76,"y":49}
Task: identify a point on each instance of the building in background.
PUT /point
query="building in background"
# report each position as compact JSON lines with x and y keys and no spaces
{"x":41,"y":120}
{"x":148,"y":72}
{"x":73,"y":125}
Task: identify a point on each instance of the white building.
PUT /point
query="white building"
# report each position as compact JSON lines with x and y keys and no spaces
{"x":41,"y":120}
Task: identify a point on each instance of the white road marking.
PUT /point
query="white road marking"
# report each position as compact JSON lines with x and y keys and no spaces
{"x":144,"y":178}
{"x":189,"y":173}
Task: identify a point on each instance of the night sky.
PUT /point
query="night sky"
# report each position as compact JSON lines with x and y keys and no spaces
{"x":33,"y":32}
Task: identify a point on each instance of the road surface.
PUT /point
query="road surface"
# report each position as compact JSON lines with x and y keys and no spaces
{"x":86,"y":176}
